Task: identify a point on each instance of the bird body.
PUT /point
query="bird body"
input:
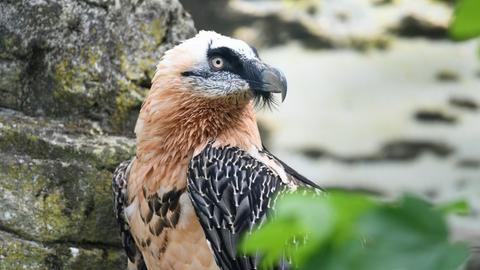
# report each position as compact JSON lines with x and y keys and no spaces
{"x":201,"y":176}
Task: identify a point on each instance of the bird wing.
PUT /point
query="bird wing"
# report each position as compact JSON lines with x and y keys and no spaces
{"x":231,"y":193}
{"x":119,"y":186}
{"x":293,"y":175}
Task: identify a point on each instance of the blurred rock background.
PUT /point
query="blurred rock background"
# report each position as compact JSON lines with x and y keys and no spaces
{"x":380,"y":99}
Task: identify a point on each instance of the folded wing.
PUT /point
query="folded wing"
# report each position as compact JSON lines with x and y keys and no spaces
{"x":231,"y":193}
{"x":119,"y":186}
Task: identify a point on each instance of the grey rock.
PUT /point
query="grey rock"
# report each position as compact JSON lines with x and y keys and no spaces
{"x":91,"y":59}
{"x":73,"y":75}
{"x":55,"y":189}
{"x":17,"y":253}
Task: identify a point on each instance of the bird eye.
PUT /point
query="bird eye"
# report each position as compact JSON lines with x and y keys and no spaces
{"x":217,"y":62}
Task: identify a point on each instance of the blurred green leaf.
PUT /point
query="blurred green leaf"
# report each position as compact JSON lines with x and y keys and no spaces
{"x":322,"y":219}
{"x":408,"y":235}
{"x":346,"y":231}
{"x":459,"y":207}
{"x":465,"y":23}
{"x":272,"y":239}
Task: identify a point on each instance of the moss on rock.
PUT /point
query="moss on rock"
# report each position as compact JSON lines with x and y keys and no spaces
{"x":16,"y":254}
{"x":43,"y":138}
{"x":52,"y":201}
{"x":67,"y":57}
{"x":73,"y":74}
{"x":56,"y":184}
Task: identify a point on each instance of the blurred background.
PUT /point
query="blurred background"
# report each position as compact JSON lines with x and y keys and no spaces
{"x":380,"y":99}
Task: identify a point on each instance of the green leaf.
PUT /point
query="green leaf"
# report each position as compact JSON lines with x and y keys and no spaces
{"x":347,"y":207}
{"x":271,"y":239}
{"x":296,"y":216}
{"x":323,"y":219}
{"x":408,"y":235}
{"x":459,"y":207}
{"x":465,"y":23}
{"x":345,"y":231}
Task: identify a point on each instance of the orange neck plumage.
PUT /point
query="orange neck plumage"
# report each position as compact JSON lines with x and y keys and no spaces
{"x":174,"y":123}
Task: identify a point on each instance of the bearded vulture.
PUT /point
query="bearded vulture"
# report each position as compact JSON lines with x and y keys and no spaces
{"x":201,"y":176}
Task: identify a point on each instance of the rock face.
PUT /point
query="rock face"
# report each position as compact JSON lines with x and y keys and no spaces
{"x":73,"y":74}
{"x":92,"y":59}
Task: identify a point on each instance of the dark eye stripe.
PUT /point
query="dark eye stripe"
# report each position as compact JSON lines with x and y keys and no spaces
{"x":247,"y":69}
{"x":233,"y":63}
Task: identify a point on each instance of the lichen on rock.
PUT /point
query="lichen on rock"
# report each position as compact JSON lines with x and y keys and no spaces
{"x":73,"y":75}
{"x":17,"y":253}
{"x":68,"y":57}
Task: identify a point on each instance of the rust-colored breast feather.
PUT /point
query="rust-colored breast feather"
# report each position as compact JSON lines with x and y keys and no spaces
{"x":168,"y":234}
{"x":160,"y":214}
{"x":162,"y":221}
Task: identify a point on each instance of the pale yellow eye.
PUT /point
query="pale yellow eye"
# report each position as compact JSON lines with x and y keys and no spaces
{"x":217,"y":62}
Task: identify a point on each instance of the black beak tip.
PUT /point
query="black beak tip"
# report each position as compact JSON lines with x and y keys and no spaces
{"x":283,"y":83}
{"x":274,"y":82}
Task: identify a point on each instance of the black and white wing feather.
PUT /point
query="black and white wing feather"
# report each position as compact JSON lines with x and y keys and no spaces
{"x":292,"y":174}
{"x":119,"y":186}
{"x":231,"y":193}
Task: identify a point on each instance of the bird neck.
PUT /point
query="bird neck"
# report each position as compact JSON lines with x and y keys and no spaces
{"x":173,"y":125}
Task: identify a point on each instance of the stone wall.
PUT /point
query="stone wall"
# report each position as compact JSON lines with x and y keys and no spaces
{"x":73,"y":74}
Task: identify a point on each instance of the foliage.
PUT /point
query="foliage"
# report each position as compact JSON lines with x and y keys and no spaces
{"x":466,"y":20}
{"x":343,"y":231}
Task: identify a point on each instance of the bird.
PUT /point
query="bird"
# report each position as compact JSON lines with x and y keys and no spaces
{"x":201,"y":176}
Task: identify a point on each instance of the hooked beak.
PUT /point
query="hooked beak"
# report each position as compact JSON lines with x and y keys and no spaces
{"x":273,"y":81}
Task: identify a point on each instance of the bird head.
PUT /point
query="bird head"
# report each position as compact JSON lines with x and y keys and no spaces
{"x":211,"y":65}
{"x":205,"y":88}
